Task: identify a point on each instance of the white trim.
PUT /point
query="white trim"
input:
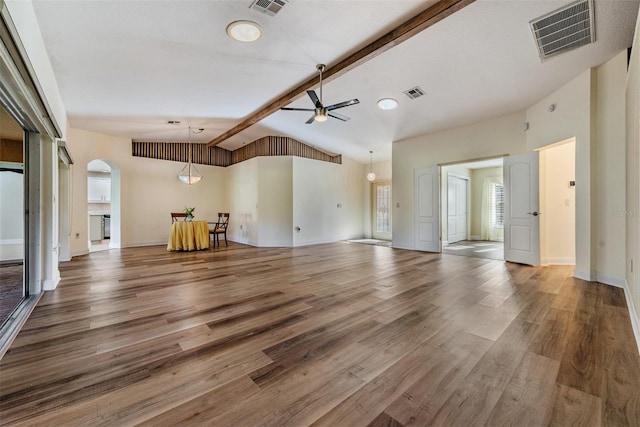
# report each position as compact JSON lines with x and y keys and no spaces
{"x":445,"y":243}
{"x":583,"y":275}
{"x":140,"y":244}
{"x":558,"y":261}
{"x":11,"y":242}
{"x":79,"y":252}
{"x":476,"y":238}
{"x":633,"y":314}
{"x":618,"y":282}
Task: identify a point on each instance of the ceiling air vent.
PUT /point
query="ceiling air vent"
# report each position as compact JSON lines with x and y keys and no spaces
{"x":564,"y":29}
{"x":270,"y":7}
{"x":414,"y":92}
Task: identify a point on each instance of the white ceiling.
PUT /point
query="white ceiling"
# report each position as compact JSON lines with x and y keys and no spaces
{"x":126,"y":67}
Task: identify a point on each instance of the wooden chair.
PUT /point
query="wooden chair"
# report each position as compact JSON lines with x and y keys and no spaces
{"x":175,"y":216}
{"x":219,"y":227}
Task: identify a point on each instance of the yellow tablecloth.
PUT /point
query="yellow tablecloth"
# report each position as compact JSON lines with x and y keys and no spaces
{"x":188,"y":236}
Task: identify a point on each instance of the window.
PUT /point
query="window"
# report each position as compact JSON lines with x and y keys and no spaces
{"x":497,"y":205}
{"x":383,"y":201}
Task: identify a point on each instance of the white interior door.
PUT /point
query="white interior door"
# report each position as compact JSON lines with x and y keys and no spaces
{"x":427,"y":207}
{"x":456,"y":209}
{"x":521,"y":210}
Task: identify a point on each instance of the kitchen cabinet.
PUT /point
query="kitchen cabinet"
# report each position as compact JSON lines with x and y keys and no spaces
{"x":99,"y":190}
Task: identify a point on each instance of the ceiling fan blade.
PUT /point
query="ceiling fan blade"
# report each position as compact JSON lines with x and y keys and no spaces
{"x":343,"y":104}
{"x":296,"y":109}
{"x":311,"y":119}
{"x":314,"y":98}
{"x":338,"y":116}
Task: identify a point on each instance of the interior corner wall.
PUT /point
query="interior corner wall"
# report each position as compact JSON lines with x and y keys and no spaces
{"x":328,"y":201}
{"x":149,"y":191}
{"x":632,"y":212}
{"x":242,"y":199}
{"x":610,"y":176}
{"x":571,"y":118}
{"x":275,"y":201}
{"x":489,"y":138}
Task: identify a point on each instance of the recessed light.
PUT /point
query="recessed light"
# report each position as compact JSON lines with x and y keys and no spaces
{"x":244,"y":31}
{"x":387,"y":104}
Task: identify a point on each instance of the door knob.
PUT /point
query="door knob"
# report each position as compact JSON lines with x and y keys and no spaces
{"x":535,"y":213}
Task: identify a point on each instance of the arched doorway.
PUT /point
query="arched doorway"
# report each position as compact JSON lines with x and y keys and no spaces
{"x":103,"y":205}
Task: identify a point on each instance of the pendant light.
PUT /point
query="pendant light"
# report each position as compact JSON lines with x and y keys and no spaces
{"x":371,"y":176}
{"x":189,"y":174}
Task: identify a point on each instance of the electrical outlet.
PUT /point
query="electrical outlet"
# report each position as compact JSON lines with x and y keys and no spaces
{"x":398,"y":205}
{"x":339,"y":205}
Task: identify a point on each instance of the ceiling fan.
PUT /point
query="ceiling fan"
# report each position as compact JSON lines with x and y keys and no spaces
{"x":320,"y":112}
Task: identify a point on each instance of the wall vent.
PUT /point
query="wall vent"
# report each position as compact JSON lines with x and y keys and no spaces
{"x":414,"y":92}
{"x":564,"y":29}
{"x":269,"y":7}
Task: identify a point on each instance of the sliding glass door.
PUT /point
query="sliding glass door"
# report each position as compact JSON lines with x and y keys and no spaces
{"x":12,"y":217}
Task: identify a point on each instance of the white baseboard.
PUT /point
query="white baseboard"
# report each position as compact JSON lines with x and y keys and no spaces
{"x":445,"y":243}
{"x":79,"y":252}
{"x":617,"y":282}
{"x":558,"y":261}
{"x":633,"y":314}
{"x":141,"y":244}
{"x":476,"y":238}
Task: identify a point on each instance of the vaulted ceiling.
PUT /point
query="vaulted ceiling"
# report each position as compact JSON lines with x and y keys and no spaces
{"x":125,"y":68}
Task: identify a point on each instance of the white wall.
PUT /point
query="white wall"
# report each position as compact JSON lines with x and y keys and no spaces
{"x":318,"y":189}
{"x":11,"y":207}
{"x":571,"y":118}
{"x":632,"y":211}
{"x":490,"y":138}
{"x":275,"y":201}
{"x":557,"y":204}
{"x":610,"y":182}
{"x":149,"y":191}
{"x":242,"y":199}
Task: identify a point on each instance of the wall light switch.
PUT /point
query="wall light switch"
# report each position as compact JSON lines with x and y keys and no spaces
{"x":398,"y":205}
{"x":339,"y":205}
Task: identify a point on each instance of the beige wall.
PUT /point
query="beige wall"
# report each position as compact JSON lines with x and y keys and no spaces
{"x":491,"y":138}
{"x":557,"y":204}
{"x":275,"y":201}
{"x":318,"y":189}
{"x":610,"y":169}
{"x":149,"y":190}
{"x":571,"y":118}
{"x":632,"y":211}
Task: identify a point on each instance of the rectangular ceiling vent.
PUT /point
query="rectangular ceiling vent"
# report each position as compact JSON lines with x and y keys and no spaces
{"x":270,"y":7}
{"x":414,"y":92}
{"x":564,"y":29}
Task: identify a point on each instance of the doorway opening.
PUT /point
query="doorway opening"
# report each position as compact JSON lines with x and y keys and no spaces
{"x":381,"y":210}
{"x":473,"y":209}
{"x":103,"y":205}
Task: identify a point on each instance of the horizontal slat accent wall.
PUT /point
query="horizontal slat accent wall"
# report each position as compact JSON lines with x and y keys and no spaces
{"x":179,"y":152}
{"x":216,"y":156}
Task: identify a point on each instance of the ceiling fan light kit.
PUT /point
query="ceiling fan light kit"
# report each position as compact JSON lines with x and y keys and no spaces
{"x":244,"y":31}
{"x":320,"y":112}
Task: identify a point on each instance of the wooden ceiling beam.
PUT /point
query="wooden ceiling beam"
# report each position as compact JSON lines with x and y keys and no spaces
{"x":404,"y":31}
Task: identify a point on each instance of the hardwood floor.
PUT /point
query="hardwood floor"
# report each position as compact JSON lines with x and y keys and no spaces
{"x":336,"y":334}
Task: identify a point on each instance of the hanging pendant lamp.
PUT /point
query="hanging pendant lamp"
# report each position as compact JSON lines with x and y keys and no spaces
{"x":371,"y":176}
{"x":189,"y":174}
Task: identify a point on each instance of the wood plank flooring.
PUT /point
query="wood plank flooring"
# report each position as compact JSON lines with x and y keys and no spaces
{"x":329,"y":335}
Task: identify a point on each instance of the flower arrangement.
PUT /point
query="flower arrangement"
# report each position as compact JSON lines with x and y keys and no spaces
{"x":189,"y":212}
